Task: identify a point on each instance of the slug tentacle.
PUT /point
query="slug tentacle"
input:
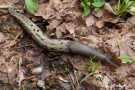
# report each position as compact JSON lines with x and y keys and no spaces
{"x":55,"y":44}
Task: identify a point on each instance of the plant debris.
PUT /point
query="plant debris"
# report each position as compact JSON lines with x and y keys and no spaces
{"x":104,"y":31}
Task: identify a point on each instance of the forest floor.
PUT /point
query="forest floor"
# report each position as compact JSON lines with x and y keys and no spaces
{"x":27,"y":66}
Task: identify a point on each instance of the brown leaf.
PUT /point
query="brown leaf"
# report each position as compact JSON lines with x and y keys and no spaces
{"x":45,"y":11}
{"x":98,"y":14}
{"x":91,"y":40}
{"x":90,"y":20}
{"x":127,"y":48}
{"x":2,"y":37}
{"x":3,"y":67}
{"x":53,"y":23}
{"x":58,"y":33}
{"x":70,"y":27}
{"x":100,"y":23}
{"x":132,"y":20}
{"x":124,"y":70}
{"x":110,"y":18}
{"x":62,"y":77}
{"x":12,"y":2}
{"x":109,"y":8}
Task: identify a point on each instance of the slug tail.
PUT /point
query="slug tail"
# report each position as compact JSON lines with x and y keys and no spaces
{"x":85,"y":50}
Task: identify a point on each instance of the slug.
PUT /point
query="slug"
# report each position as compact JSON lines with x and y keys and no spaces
{"x":57,"y":45}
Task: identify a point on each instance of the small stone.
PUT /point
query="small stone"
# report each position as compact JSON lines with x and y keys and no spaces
{"x":40,"y":83}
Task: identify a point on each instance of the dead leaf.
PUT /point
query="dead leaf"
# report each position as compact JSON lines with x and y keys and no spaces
{"x":2,"y":37}
{"x":132,"y":20}
{"x":58,"y":33}
{"x":70,"y":27}
{"x":106,"y":82}
{"x":100,"y":23}
{"x":91,"y":40}
{"x":124,"y":70}
{"x":8,"y":67}
{"x":60,"y":30}
{"x":3,"y":67}
{"x":32,"y":85}
{"x":98,"y":13}
{"x":109,"y":8}
{"x":90,"y":20}
{"x":20,"y":76}
{"x":45,"y":11}
{"x":13,"y":2}
{"x":128,"y":49}
{"x":53,"y":23}
{"x":62,"y":77}
{"x":110,"y":18}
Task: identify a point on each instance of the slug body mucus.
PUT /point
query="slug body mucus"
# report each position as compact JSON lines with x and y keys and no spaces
{"x":57,"y":45}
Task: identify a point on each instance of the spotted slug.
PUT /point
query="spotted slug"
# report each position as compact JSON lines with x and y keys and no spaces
{"x":57,"y":45}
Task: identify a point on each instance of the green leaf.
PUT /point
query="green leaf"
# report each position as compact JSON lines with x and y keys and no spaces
{"x":131,"y":12}
{"x":92,"y":67}
{"x":99,"y":3}
{"x":88,"y":3}
{"x":115,"y":10}
{"x":82,"y":4}
{"x":127,"y":1}
{"x":122,"y":4}
{"x":31,"y":5}
{"x":96,"y":9}
{"x":124,"y":7}
{"x":86,"y":10}
{"x":119,"y":5}
{"x":93,"y":71}
{"x":133,"y":3}
{"x":126,"y":59}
